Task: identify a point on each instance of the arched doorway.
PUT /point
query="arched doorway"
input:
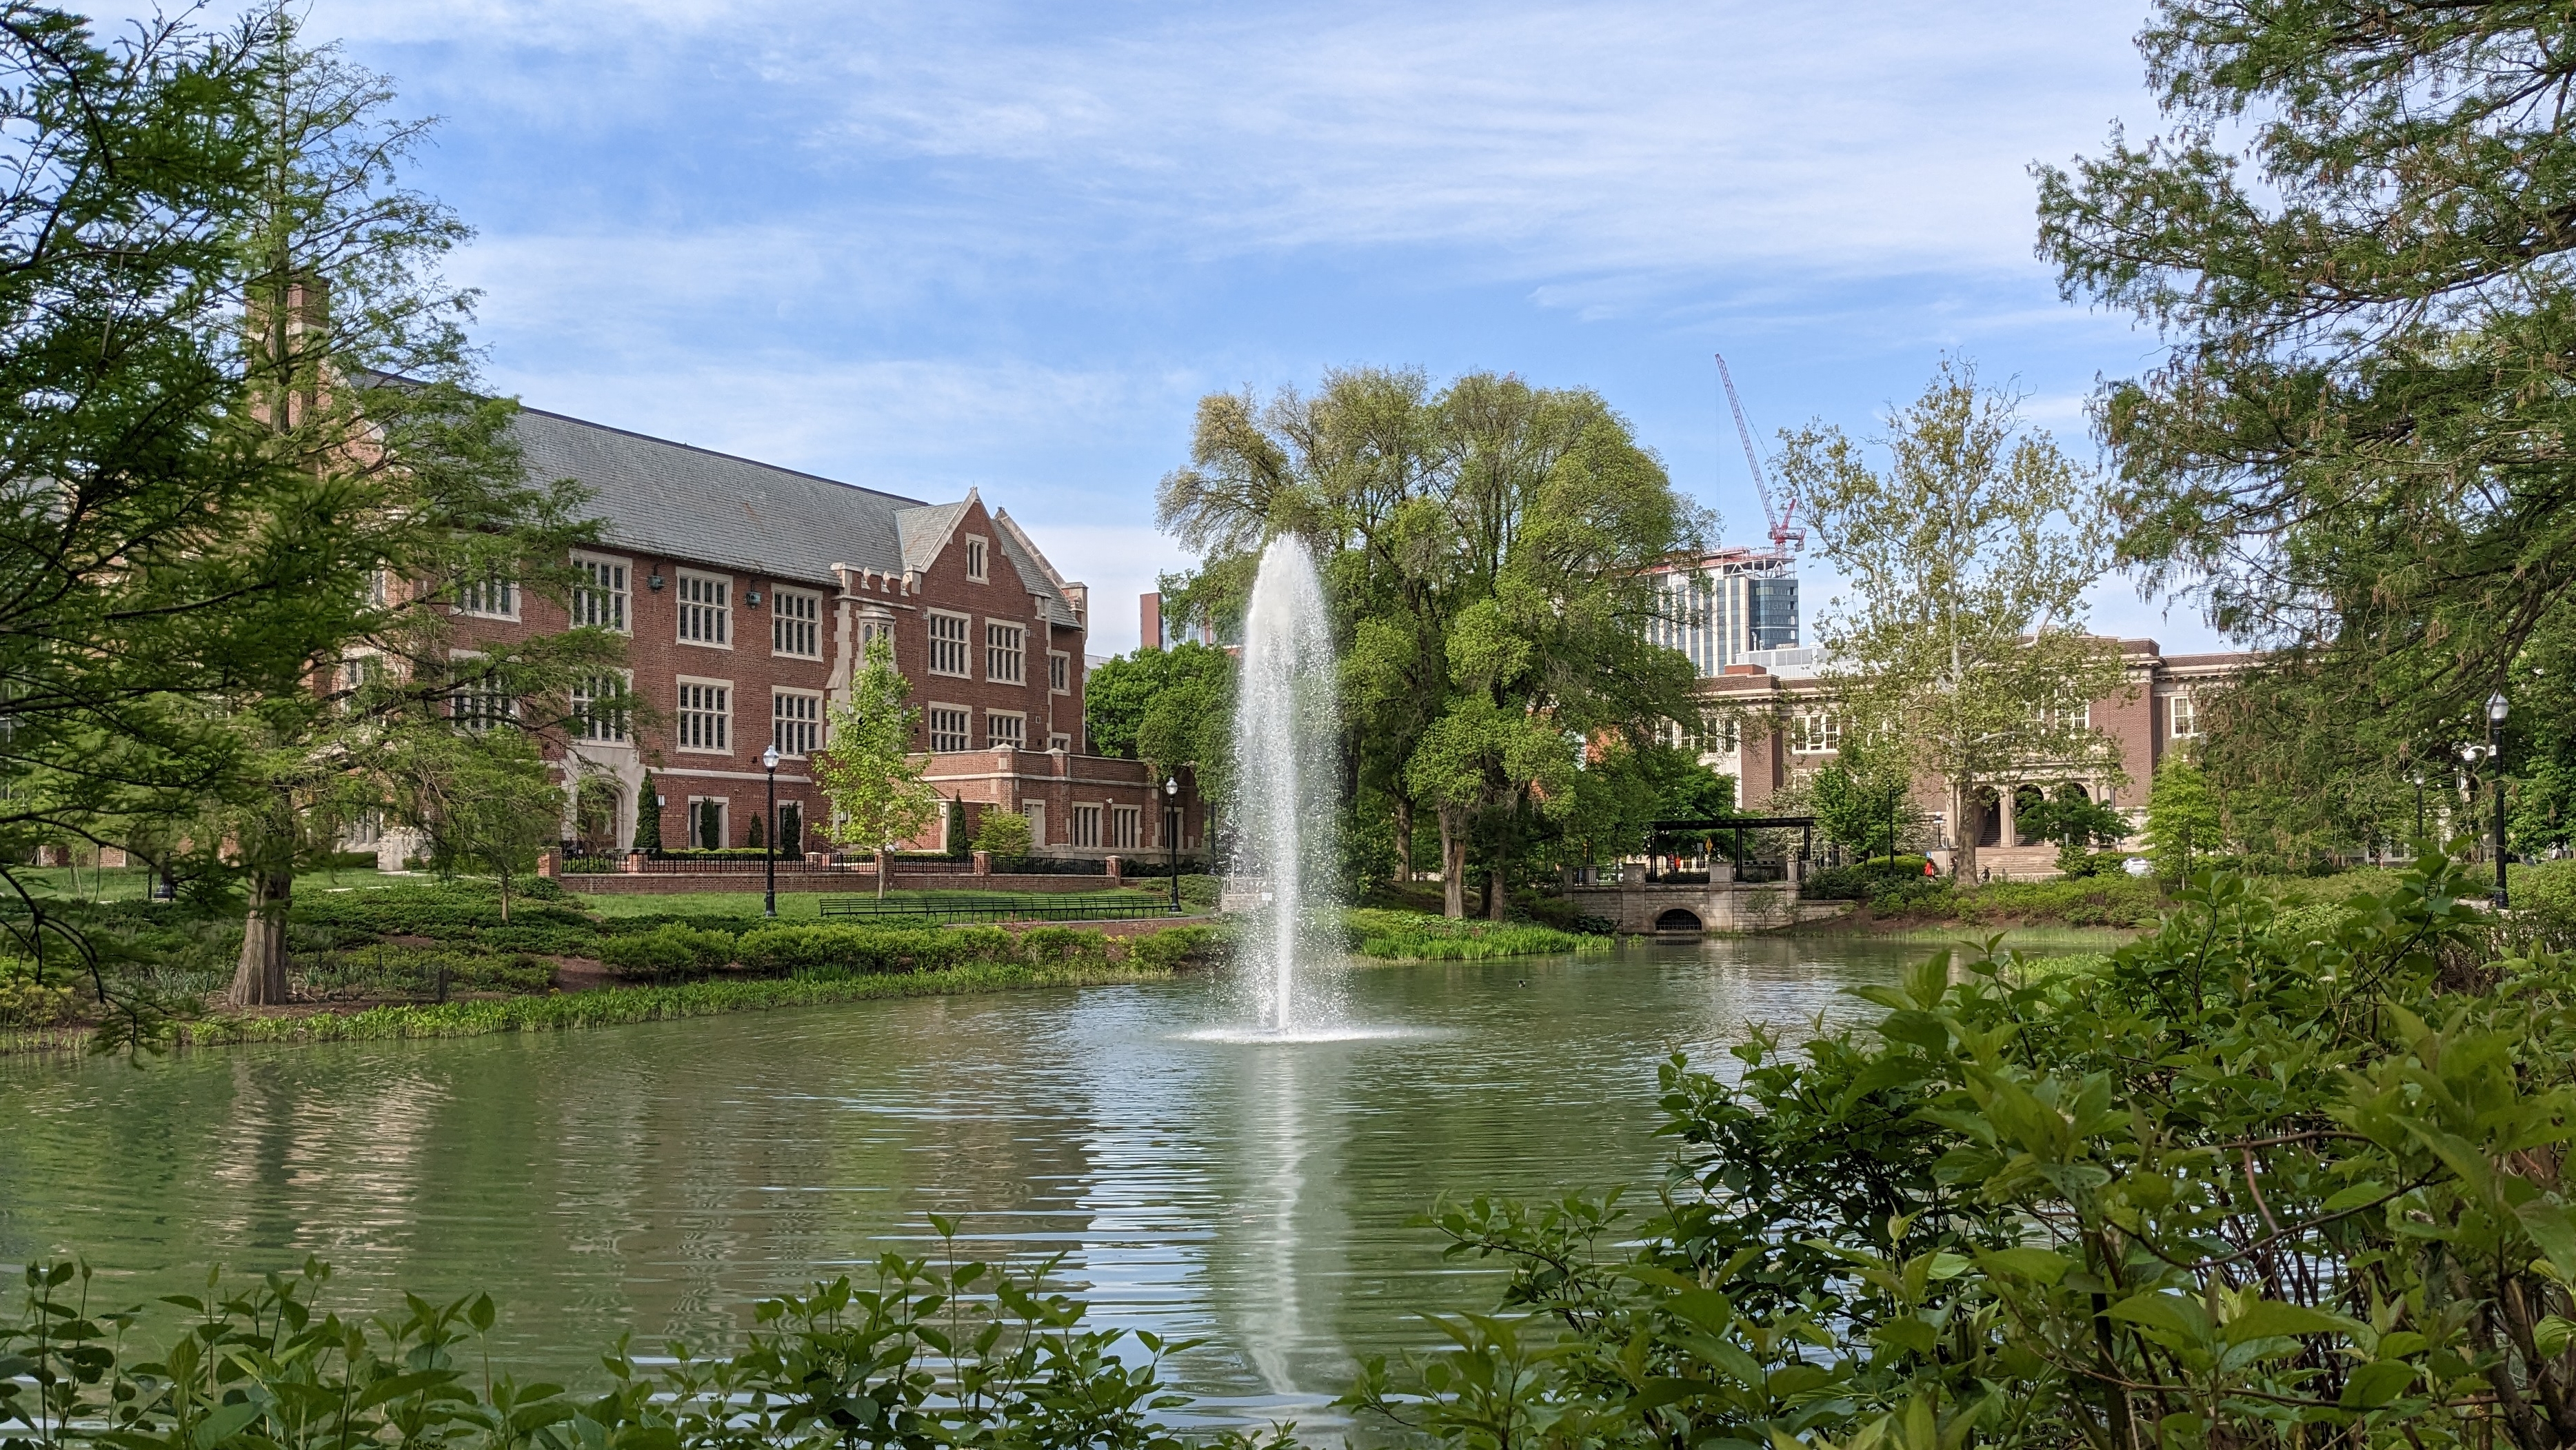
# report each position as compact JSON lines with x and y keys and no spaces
{"x":1678,"y":920}
{"x":2027,"y":800}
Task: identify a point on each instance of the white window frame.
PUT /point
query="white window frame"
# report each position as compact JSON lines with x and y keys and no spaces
{"x":473,"y":597}
{"x":472,"y":709}
{"x":693,"y":611}
{"x":1059,"y":672}
{"x":782,"y":622}
{"x":965,"y":718}
{"x":2182,"y":716}
{"x":979,"y":558}
{"x":1019,"y":718}
{"x":586,"y":726}
{"x":1083,"y":828}
{"x":964,"y":643}
{"x":1126,"y":828}
{"x":592,"y":589}
{"x":683,"y":712}
{"x":1815,"y":731}
{"x":780,"y":724}
{"x":995,"y":653}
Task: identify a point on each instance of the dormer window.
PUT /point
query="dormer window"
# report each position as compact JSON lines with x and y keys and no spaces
{"x":975,"y":560}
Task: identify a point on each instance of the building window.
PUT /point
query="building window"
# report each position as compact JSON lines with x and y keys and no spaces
{"x":491,"y":596}
{"x":1059,"y":742}
{"x":948,"y":644}
{"x":2185,"y":716}
{"x":1002,"y":729}
{"x":475,"y":700}
{"x":1123,"y":829}
{"x":1002,"y":653}
{"x":947,"y":729}
{"x":2079,"y":718}
{"x":599,"y":593}
{"x":1815,"y":732}
{"x":598,"y":710}
{"x":706,"y":609}
{"x":795,"y":721}
{"x":795,"y":624}
{"x":1036,"y":812}
{"x":1059,"y":672}
{"x":873,"y":628}
{"x":707,"y":824}
{"x":1086,"y":826}
{"x":706,"y":716}
{"x":975,"y":565}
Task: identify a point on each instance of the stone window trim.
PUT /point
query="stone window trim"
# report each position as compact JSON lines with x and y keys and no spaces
{"x":979,"y":558}
{"x":1016,"y":735}
{"x":951,"y":643}
{"x":493,"y":596}
{"x":723,"y":806}
{"x":2182,"y":716}
{"x":1083,"y":824}
{"x":610,"y":727}
{"x":1059,"y":672}
{"x":795,"y":619}
{"x":703,"y":711}
{"x":705,"y":608}
{"x":1006,"y":652}
{"x":1126,"y":828}
{"x":605,"y":592}
{"x":938,"y":714}
{"x":797,"y":729}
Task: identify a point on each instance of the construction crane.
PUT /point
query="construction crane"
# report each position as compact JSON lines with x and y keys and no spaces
{"x":1786,"y":537}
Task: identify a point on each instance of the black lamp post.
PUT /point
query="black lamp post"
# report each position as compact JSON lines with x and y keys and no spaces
{"x":2495,"y":763}
{"x":1172,"y":837}
{"x":2419,"y":805}
{"x":769,"y":837}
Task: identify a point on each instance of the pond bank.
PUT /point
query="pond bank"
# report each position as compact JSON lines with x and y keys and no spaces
{"x":599,"y":1007}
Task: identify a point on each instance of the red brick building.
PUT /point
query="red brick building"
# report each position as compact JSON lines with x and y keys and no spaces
{"x":1788,"y":730}
{"x":748,"y":593}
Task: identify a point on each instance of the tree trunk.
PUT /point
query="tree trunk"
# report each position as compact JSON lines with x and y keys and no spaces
{"x":1971,"y":819}
{"x":881,"y":872}
{"x":1453,"y":863}
{"x":1498,"y":889}
{"x":1403,"y":839}
{"x":260,"y":979}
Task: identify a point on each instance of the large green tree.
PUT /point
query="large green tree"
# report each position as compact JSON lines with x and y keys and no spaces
{"x":1961,"y":645}
{"x":867,"y":770}
{"x":2354,"y":232}
{"x":1482,"y":546}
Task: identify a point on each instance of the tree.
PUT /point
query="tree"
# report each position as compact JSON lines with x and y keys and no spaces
{"x":866,"y":768}
{"x":1968,"y":557}
{"x":2077,"y":823}
{"x":1864,"y":799}
{"x":2182,"y":820}
{"x":1484,"y":550}
{"x":353,"y":395}
{"x":1120,"y":696}
{"x":487,"y":799}
{"x":1002,"y":832}
{"x":648,"y":817}
{"x":2354,"y":236}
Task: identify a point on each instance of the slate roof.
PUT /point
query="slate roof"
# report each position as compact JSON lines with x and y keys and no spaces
{"x":654,"y":496}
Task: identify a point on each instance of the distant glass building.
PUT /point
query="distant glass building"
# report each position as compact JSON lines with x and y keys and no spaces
{"x":1723,"y":606}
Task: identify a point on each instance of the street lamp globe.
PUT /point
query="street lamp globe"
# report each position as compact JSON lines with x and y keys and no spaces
{"x":1171,"y":785}
{"x":769,"y":758}
{"x":2496,"y":707}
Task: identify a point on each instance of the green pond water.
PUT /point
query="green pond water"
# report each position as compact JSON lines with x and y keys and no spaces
{"x":659,"y":1178}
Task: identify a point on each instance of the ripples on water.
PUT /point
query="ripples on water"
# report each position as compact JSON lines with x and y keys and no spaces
{"x":1200,"y":1181}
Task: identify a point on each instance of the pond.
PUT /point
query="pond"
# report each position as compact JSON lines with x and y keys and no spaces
{"x":660,"y":1177}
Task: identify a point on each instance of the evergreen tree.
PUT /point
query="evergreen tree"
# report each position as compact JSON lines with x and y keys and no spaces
{"x":648,"y":817}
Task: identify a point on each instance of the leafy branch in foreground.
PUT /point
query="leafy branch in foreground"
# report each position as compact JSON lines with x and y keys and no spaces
{"x":2251,"y":1182}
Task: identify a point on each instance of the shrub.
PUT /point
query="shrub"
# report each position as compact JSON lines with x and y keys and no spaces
{"x":1174,"y":946}
{"x":1004,"y":833}
{"x":25,"y":1003}
{"x":667,"y":951}
{"x":1861,"y":880}
{"x":829,"y":950}
{"x":1048,"y":946}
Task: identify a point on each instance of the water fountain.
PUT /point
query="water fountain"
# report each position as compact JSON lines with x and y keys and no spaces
{"x":1285,"y":787}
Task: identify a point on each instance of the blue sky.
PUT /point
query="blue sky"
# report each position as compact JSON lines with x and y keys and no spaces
{"x":923,"y":247}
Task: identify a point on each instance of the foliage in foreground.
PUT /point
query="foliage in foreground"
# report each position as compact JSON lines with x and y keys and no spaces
{"x":2247,"y":1182}
{"x":923,"y":1352}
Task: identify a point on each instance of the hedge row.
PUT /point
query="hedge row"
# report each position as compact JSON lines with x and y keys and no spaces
{"x":832,"y":950}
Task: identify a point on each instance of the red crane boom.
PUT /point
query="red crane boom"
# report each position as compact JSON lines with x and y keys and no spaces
{"x":1786,"y":537}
